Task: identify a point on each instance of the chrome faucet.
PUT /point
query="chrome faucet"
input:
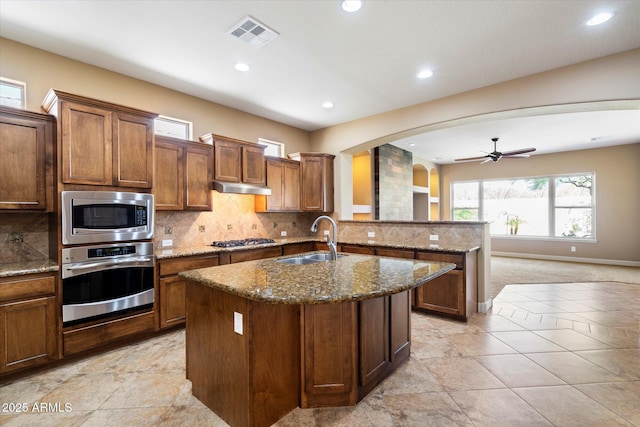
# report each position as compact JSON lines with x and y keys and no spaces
{"x":331,"y":243}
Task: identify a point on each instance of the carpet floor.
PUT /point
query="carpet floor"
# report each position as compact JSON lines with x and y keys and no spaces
{"x":511,"y":271}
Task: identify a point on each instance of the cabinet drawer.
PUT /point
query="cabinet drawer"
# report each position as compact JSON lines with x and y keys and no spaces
{"x":255,"y":254}
{"x":297,"y":248}
{"x":175,"y":266}
{"x":396,"y":253}
{"x":27,"y":287}
{"x":457,"y":259}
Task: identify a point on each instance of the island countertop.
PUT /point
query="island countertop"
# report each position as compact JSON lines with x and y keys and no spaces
{"x":352,"y":277}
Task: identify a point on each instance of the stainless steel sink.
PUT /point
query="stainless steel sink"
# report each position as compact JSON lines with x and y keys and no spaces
{"x":307,"y":259}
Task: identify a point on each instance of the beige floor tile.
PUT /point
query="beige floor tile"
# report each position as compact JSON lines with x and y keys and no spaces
{"x":494,"y":323}
{"x":494,"y":408}
{"x":479,"y":344}
{"x":625,"y":363}
{"x":572,"y":368}
{"x":526,"y":342}
{"x":572,"y":340}
{"x":412,"y":377}
{"x":621,"y":398}
{"x":462,"y":373}
{"x":538,"y":307}
{"x":425,"y":409}
{"x":144,"y":389}
{"x":70,"y":419}
{"x":613,"y":318}
{"x":427,"y":347}
{"x":182,"y":416}
{"x":515,"y":370}
{"x":566,"y":406}
{"x":87,"y":392}
{"x":138,"y":417}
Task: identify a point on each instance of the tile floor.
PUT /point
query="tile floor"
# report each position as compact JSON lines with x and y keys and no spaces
{"x":547,"y":354}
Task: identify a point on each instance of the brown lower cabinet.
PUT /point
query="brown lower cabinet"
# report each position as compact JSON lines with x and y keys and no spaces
{"x":172,"y":289}
{"x":28,"y":322}
{"x":349,"y":348}
{"x":455,"y":293}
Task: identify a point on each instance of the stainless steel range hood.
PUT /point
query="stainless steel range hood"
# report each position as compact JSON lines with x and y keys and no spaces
{"x":241,"y":188}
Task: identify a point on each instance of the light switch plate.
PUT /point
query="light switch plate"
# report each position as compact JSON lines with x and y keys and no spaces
{"x":237,"y":323}
{"x":283,"y":234}
{"x":167,"y":243}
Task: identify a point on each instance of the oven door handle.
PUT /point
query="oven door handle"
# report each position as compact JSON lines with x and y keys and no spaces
{"x":85,"y":266}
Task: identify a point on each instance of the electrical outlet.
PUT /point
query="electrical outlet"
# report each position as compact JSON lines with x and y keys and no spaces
{"x":573,"y":248}
{"x":167,"y":243}
{"x":237,"y":323}
{"x":283,"y":234}
{"x":371,"y":234}
{"x":326,"y":232}
{"x":433,"y":237}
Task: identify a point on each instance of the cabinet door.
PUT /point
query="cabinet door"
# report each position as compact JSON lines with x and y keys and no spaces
{"x":444,"y":294}
{"x":227,"y":161}
{"x":329,"y":359}
{"x":312,"y":184}
{"x":27,"y":333}
{"x":198,"y":174}
{"x":169,"y":181}
{"x":374,"y":342}
{"x":173,"y":303}
{"x":399,"y":327}
{"x":253,"y":165}
{"x":86,"y":144}
{"x":291,"y":190}
{"x":133,"y":150}
{"x":22,"y":163}
{"x":275,"y":181}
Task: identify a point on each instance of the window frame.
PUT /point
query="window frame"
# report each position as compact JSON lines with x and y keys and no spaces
{"x":270,"y":143}
{"x":551,"y":233}
{"x":17,"y":84}
{"x":187,"y":125}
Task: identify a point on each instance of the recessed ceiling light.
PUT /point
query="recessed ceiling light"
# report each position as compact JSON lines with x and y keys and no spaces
{"x":599,"y":19}
{"x":241,"y":66}
{"x":412,"y":144}
{"x":351,"y":5}
{"x":327,"y":104}
{"x":425,"y":74}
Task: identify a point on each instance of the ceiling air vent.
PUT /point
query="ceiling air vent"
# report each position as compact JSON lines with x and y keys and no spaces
{"x":253,"y":32}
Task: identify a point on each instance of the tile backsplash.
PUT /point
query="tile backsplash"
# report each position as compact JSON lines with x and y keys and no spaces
{"x":232,"y":216}
{"x":24,"y":237}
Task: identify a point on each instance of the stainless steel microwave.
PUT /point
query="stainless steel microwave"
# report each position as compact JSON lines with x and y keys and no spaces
{"x":106,"y":216}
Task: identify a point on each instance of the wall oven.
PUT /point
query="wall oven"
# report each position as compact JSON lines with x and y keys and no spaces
{"x":106,"y":280}
{"x":106,"y":216}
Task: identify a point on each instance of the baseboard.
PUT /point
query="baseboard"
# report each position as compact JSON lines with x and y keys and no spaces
{"x":568,"y":259}
{"x":484,"y":307}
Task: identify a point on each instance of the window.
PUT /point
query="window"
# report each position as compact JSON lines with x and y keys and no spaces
{"x":12,"y":93}
{"x":466,"y":201}
{"x":174,"y":128}
{"x":275,"y":149}
{"x":574,"y":206}
{"x":558,"y":206}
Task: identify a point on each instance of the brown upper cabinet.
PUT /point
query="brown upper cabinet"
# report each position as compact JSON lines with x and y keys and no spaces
{"x":26,"y":163}
{"x":316,"y":181}
{"x":283,"y":177}
{"x":102,"y":143}
{"x":183,"y":175}
{"x":236,"y":161}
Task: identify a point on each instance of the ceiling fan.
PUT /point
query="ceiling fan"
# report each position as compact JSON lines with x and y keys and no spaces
{"x":497,"y":155}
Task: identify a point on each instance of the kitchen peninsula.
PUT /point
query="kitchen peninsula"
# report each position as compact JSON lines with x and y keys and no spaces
{"x":266,"y":336}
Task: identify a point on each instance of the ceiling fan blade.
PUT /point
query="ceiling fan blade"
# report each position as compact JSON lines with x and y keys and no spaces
{"x":515,"y":156}
{"x":521,"y":151}
{"x":470,"y":159}
{"x":488,"y":160}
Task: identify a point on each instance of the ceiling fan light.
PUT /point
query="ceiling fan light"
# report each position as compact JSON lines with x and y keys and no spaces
{"x":351,"y":5}
{"x":425,"y":74}
{"x":600,"y":18}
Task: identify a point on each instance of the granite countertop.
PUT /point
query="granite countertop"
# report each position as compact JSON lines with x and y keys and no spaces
{"x":405,"y":244}
{"x":352,"y":277}
{"x":27,"y":267}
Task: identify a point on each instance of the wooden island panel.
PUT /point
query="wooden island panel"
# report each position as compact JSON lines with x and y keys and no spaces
{"x":251,"y":379}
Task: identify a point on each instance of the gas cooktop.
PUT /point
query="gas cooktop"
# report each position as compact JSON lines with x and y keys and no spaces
{"x":243,"y":242}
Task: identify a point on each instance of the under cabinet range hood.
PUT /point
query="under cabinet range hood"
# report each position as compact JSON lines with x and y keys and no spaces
{"x":241,"y":188}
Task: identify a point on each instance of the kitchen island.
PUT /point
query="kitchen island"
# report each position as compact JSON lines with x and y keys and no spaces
{"x":264,"y":337}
